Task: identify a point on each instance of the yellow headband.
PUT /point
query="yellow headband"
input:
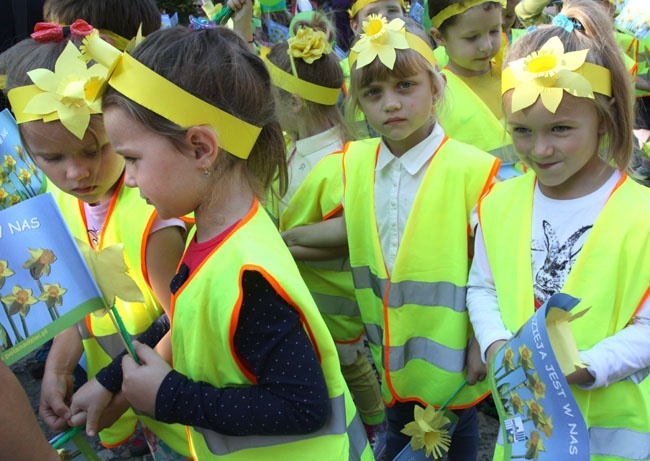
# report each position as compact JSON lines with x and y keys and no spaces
{"x":359,"y":5}
{"x":549,"y":72}
{"x":381,"y":39}
{"x":152,"y":91}
{"x":308,"y":45}
{"x":60,"y":95}
{"x":456,"y":9}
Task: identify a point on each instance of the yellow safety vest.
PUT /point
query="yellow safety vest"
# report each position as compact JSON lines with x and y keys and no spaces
{"x":466,"y":118}
{"x":330,"y":282}
{"x":203,"y":328}
{"x":611,"y":275}
{"x":128,"y":222}
{"x":416,"y":320}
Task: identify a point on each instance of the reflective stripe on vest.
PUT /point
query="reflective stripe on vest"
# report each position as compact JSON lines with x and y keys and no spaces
{"x":619,"y":442}
{"x":443,"y":294}
{"x":336,"y":305}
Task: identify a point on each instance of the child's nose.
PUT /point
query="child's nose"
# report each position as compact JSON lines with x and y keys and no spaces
{"x":542,"y":147}
{"x":391,"y":102}
{"x":77,"y":170}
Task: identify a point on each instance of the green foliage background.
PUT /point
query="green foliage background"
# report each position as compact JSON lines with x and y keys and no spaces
{"x":183,"y":7}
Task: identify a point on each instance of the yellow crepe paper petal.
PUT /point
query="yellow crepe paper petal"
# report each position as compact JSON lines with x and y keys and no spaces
{"x":524,"y":96}
{"x":110,"y":273}
{"x":562,"y":340}
{"x":551,"y":98}
{"x":428,"y":431}
{"x":44,"y":79}
{"x":309,"y":45}
{"x":75,"y":119}
{"x":574,"y":84}
{"x":380,"y":39}
{"x":43,"y":103}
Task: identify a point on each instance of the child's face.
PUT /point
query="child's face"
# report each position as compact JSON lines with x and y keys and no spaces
{"x":508,"y":15}
{"x":88,"y":169}
{"x":473,"y":40}
{"x":400,"y":109}
{"x":165,"y":176}
{"x":561,"y":147}
{"x":390,"y":9}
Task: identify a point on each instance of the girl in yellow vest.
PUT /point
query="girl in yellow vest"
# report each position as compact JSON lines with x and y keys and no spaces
{"x":86,"y":176}
{"x":470,"y":32}
{"x":255,"y":371}
{"x":408,"y":197}
{"x":576,"y":223}
{"x":307,"y":83}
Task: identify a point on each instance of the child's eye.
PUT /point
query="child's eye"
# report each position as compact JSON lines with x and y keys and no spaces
{"x":519,"y":131}
{"x":50,"y":158}
{"x":371,"y":92}
{"x":471,"y":38}
{"x":496,"y":31}
{"x":131,"y":160}
{"x":561,"y":128}
{"x":405,"y":85}
{"x":91,"y":154}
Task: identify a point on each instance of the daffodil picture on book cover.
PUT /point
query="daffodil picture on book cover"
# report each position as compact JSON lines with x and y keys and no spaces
{"x":49,"y":281}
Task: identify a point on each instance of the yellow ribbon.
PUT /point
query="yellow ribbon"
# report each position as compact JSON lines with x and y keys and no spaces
{"x":306,"y":90}
{"x":152,"y":91}
{"x":358,"y":6}
{"x":549,"y":72}
{"x":456,"y":9}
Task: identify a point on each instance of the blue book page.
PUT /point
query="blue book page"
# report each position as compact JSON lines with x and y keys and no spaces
{"x":540,"y":418}
{"x":20,"y":178}
{"x":45,"y":285}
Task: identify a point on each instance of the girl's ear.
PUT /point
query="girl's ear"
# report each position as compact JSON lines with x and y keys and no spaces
{"x":203,"y":145}
{"x":354,"y":25}
{"x":296,"y":103}
{"x":437,"y":36}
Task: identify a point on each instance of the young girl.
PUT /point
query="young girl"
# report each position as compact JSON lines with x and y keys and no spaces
{"x":576,"y":223}
{"x":256,"y":375}
{"x":307,"y":82}
{"x":86,"y":176}
{"x":470,"y":32}
{"x":408,"y":197}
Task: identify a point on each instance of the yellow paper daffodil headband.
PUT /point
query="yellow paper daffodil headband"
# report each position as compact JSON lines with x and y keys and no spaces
{"x":359,"y":5}
{"x":60,"y":95}
{"x":308,"y":45}
{"x":380,"y":40}
{"x":549,"y":72}
{"x":456,"y":9}
{"x":154,"y":92}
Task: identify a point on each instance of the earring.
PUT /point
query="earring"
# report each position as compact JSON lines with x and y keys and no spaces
{"x":207,"y":173}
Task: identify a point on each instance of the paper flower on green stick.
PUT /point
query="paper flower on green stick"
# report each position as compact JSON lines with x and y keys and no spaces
{"x":428,"y":431}
{"x":562,"y":340}
{"x":110,"y":273}
{"x":380,"y":39}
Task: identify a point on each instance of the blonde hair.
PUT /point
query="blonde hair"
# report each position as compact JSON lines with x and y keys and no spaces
{"x":596,"y":35}
{"x":216,"y":66}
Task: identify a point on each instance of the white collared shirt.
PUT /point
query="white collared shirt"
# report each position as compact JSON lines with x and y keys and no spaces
{"x":397,"y":180}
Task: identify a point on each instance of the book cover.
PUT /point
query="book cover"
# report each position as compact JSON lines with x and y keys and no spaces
{"x":45,"y":283}
{"x":19,"y":177}
{"x":540,"y":419}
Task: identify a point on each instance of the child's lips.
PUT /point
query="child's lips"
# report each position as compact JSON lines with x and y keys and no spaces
{"x":394,"y":121}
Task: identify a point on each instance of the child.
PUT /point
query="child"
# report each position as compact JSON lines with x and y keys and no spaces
{"x":576,"y":223}
{"x":407,"y":199}
{"x":256,"y":375}
{"x":118,"y":20}
{"x":307,"y":82}
{"x":470,"y":32}
{"x":86,"y":176}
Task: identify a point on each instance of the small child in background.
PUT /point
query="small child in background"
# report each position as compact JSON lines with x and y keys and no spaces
{"x":470,"y":33}
{"x":576,"y":223}
{"x":307,"y":83}
{"x":256,"y":374}
{"x":65,"y":137}
{"x":408,"y":197}
{"x":117,"y":20}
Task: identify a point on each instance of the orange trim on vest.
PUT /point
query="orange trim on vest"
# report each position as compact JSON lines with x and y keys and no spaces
{"x":143,"y":248}
{"x":122,"y":442}
{"x":89,"y":324}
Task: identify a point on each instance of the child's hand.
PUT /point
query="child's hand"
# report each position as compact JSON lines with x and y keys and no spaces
{"x":56,"y":389}
{"x":492,"y":350}
{"x":88,"y":404}
{"x":243,"y":9}
{"x":141,"y":382}
{"x":476,"y":370}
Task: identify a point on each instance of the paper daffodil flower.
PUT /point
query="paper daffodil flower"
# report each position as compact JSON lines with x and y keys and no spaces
{"x":110,"y":273}
{"x":309,"y":45}
{"x":93,"y":47}
{"x":428,"y":431}
{"x":210,"y":9}
{"x":380,"y":39}
{"x":547,"y":74}
{"x":562,"y":340}
{"x":65,"y":92}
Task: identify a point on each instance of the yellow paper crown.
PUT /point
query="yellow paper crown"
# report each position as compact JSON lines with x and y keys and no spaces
{"x":308,"y":45}
{"x":549,"y":72}
{"x":380,"y":40}
{"x":456,"y":9}
{"x":152,"y":91}
{"x":358,"y":6}
{"x":60,"y":95}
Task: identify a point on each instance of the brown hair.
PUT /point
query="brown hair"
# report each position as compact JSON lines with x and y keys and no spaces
{"x":436,"y":6}
{"x":408,"y":62}
{"x":216,"y":66}
{"x":325,"y":71}
{"x":596,"y":35}
{"x":122,"y":17}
